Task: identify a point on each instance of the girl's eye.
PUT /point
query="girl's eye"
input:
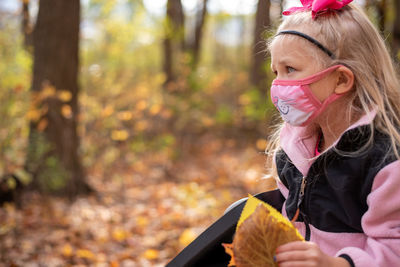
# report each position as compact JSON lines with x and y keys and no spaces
{"x":290,"y":69}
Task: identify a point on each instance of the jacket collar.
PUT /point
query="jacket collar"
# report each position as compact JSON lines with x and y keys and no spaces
{"x":299,"y":142}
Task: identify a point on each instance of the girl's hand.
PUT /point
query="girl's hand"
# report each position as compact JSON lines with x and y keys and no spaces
{"x":300,"y":253}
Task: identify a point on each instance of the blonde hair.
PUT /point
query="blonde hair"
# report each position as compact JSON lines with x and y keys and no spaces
{"x":356,"y":43}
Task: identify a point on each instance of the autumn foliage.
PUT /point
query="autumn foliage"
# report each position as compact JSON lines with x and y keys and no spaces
{"x":164,"y":162}
{"x":260,"y":230}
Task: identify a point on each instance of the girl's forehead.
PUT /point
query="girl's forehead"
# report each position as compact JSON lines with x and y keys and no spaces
{"x":290,"y":46}
{"x":289,"y":42}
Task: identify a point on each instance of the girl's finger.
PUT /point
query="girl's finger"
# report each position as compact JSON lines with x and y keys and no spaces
{"x":296,"y":245}
{"x":295,"y":255}
{"x":297,"y":264}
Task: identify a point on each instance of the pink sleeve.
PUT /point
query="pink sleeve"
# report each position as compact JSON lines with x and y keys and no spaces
{"x":381,"y":222}
{"x":282,"y":188}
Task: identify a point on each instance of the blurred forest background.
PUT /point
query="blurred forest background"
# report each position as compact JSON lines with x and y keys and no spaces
{"x":128,"y":126}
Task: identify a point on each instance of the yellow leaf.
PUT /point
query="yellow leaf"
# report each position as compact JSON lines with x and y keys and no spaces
{"x":151,"y":254}
{"x":186,"y":237}
{"x":252,"y":203}
{"x":142,"y":221}
{"x":141,"y":105}
{"x":85,"y":254}
{"x":119,"y":234}
{"x":11,"y":183}
{"x":261,"y":144}
{"x":47,"y":91}
{"x":155,"y":109}
{"x":64,"y":95}
{"x":66,"y":111}
{"x":24,"y":176}
{"x":107,"y":111}
{"x":119,"y":135}
{"x":67,"y":250}
{"x":124,"y":115}
{"x":33,"y":114}
{"x":260,"y":230}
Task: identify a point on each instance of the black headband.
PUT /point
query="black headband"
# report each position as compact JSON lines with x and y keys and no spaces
{"x":312,"y":40}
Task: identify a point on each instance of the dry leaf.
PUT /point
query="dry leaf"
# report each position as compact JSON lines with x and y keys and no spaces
{"x":119,"y":135}
{"x":261,"y":144}
{"x":85,"y":254}
{"x":67,"y":250}
{"x":229,"y":251}
{"x":151,"y":254}
{"x":64,"y":95}
{"x":186,"y":237}
{"x":66,"y":111}
{"x":260,"y":231}
{"x":119,"y":234}
{"x":124,"y":115}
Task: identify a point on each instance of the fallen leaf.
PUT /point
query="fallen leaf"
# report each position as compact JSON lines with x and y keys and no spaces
{"x":124,"y":115}
{"x":119,"y":135}
{"x":66,"y":111}
{"x":261,"y":229}
{"x":119,"y":235}
{"x":229,"y":251}
{"x":155,"y":109}
{"x":64,"y":95}
{"x":151,"y":254}
{"x":261,"y":144}
{"x":85,"y":254}
{"x":67,"y":250}
{"x":186,"y":237}
{"x":141,"y":105}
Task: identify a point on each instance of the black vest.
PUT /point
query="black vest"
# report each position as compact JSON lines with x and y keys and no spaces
{"x":337,"y":185}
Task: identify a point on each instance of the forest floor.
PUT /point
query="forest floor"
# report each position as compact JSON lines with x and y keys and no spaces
{"x":144,"y":218}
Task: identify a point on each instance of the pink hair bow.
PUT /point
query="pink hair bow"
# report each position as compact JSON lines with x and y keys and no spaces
{"x":317,"y":6}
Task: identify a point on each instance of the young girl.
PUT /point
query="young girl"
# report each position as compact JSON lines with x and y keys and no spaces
{"x":337,"y":156}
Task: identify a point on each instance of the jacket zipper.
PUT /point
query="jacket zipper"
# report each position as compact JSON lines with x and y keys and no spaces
{"x":299,"y":202}
{"x":302,"y":190}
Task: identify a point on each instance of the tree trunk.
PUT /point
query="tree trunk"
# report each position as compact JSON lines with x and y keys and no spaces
{"x":381,"y":10}
{"x":396,"y":31}
{"x":53,"y":148}
{"x":26,"y":25}
{"x":200,"y":21}
{"x":174,"y":42}
{"x":258,"y":75}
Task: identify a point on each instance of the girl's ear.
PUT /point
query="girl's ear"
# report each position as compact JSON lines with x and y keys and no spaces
{"x":344,"y":81}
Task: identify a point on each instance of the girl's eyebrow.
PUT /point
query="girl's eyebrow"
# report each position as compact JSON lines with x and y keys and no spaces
{"x":284,"y":60}
{"x":281,"y":61}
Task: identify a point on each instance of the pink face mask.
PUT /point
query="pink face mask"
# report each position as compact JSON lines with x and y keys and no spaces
{"x":295,"y":101}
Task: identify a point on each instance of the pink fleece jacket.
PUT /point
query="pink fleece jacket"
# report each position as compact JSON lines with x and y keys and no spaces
{"x":379,"y":245}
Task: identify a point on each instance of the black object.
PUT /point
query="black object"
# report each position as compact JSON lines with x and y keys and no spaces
{"x":310,"y":39}
{"x":206,"y":250}
{"x":10,"y":194}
